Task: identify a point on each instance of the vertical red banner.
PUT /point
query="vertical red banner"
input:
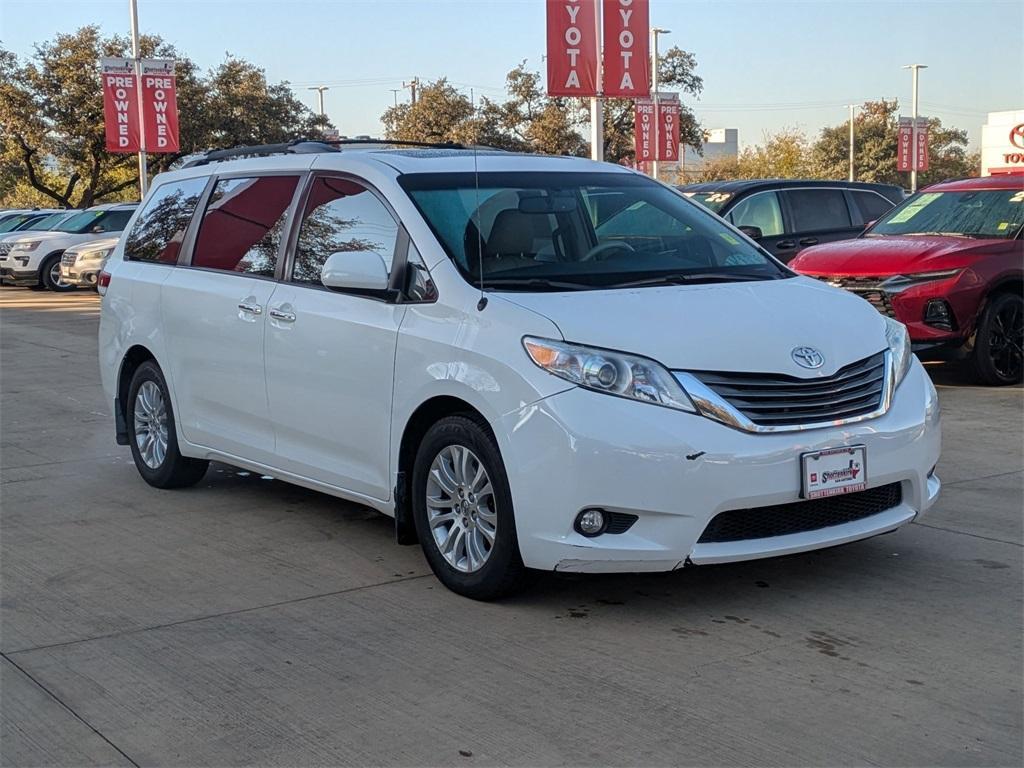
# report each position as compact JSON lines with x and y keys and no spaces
{"x":904,"y":153}
{"x":668,"y":129}
{"x":160,"y":106}
{"x":643,"y":127}
{"x":572,"y":47}
{"x":921,"y":161}
{"x":626,"y":49}
{"x":120,"y":105}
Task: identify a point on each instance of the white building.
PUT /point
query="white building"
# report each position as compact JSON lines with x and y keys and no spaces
{"x":1002,"y":143}
{"x":720,"y":142}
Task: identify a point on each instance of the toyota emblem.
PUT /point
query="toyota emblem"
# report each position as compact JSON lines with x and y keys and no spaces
{"x":808,"y":357}
{"x":1017,"y":136}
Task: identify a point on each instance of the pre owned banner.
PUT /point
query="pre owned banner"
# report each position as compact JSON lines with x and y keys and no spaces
{"x":160,"y":105}
{"x":921,"y":161}
{"x":668,"y":127}
{"x":572,"y":47}
{"x":643,"y":127}
{"x":906,"y":159}
{"x":626,"y":50}
{"x":120,"y":105}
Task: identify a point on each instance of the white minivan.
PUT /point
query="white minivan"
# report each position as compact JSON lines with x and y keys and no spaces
{"x":529,"y":362}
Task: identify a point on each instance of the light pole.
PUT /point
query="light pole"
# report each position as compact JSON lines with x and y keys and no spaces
{"x":852,"y":107}
{"x":320,"y":93}
{"x":655,"y":31}
{"x":143,"y":170}
{"x":914,"y":69}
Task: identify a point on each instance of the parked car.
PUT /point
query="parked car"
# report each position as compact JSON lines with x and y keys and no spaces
{"x":34,"y":259}
{"x":787,"y":215}
{"x":80,"y":266}
{"x":22,"y":221}
{"x":44,"y":224}
{"x":530,"y":362}
{"x":948,"y":263}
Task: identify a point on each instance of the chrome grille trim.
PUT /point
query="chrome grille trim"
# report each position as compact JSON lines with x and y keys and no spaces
{"x":752,"y":402}
{"x":871,"y":289}
{"x":68,"y":259}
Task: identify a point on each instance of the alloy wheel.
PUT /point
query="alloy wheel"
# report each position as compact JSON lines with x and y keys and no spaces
{"x":55,"y":277}
{"x":151,"y":429}
{"x":461,"y":509}
{"x":1006,"y":341}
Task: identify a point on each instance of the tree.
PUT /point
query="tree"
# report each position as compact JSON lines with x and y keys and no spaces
{"x":875,"y":130}
{"x":51,"y":116}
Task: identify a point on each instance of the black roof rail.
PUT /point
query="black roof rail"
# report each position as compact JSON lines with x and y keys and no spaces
{"x":307,"y":146}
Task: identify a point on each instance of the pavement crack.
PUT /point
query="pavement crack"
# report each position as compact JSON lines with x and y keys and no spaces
{"x":972,"y":535}
{"x":983,"y":477}
{"x":221,"y":614}
{"x":66,"y":706}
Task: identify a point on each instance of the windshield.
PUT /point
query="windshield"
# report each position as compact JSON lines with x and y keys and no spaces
{"x":12,"y":223}
{"x":713,"y":201}
{"x":576,"y":231}
{"x":46,"y":223}
{"x":96,"y":221}
{"x":987,"y":213}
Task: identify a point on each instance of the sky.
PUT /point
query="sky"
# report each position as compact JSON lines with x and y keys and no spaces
{"x":766,"y":65}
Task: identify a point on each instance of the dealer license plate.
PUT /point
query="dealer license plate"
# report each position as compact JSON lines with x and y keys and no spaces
{"x":834,"y":471}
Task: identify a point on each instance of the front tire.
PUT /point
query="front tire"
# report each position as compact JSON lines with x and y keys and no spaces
{"x":49,"y":274}
{"x":153,"y":435}
{"x":997,"y":358}
{"x":462,"y":507}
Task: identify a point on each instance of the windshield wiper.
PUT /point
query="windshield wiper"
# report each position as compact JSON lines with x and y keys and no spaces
{"x":541,"y":283}
{"x":686,"y":278}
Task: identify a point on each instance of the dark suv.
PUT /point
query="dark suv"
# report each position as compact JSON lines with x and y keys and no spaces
{"x":788,"y":215}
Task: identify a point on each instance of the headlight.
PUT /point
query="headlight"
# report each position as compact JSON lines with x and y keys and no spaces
{"x":902,"y":282}
{"x":899,"y":349}
{"x":613,"y":373}
{"x":94,"y":255}
{"x":29,"y":246}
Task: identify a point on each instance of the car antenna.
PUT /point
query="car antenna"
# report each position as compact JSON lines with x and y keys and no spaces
{"x":479,"y":235}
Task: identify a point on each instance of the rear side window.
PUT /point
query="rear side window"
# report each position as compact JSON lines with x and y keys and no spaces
{"x":871,"y":206}
{"x":761,"y":211}
{"x":341,"y":215}
{"x":161,"y":226}
{"x":818,"y":209}
{"x":242,"y":226}
{"x":113,"y":221}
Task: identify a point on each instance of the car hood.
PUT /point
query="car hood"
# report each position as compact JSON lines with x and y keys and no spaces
{"x":751,"y":326}
{"x":45,"y":237}
{"x":892,"y":255}
{"x":93,"y":245}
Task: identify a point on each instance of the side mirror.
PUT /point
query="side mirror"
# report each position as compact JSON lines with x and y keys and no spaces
{"x":98,"y":229}
{"x":868,"y":225}
{"x":355,"y":271}
{"x":754,"y":233}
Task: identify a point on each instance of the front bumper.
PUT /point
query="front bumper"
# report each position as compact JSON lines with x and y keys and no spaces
{"x":81,"y":276}
{"x":675,"y":471}
{"x":23,"y":277}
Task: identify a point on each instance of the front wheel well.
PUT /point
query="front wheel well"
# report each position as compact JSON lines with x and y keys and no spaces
{"x":423,"y":418}
{"x":133,"y":358}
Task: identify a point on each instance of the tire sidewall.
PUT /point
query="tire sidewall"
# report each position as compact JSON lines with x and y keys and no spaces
{"x":44,"y":274}
{"x":162,"y":475}
{"x":983,"y":365}
{"x":490,"y":580}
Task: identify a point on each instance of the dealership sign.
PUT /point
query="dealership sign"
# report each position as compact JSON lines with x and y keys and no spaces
{"x":140,"y":112}
{"x":656,"y":128}
{"x":573,"y":48}
{"x":906,"y":158}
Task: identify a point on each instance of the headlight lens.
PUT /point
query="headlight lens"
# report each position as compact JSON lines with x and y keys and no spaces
{"x":899,"y":349}
{"x":29,"y":246}
{"x":613,"y":373}
{"x":902,"y":282}
{"x":94,"y":255}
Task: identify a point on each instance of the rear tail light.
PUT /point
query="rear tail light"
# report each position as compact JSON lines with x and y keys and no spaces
{"x":103,"y":282}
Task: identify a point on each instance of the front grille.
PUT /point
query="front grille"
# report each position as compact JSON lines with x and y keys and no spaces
{"x":68,"y":259}
{"x":777,"y":400}
{"x":5,"y":248}
{"x":800,"y":516}
{"x":868,"y":288}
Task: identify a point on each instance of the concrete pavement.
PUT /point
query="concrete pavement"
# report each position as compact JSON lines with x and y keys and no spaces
{"x":247,"y":621}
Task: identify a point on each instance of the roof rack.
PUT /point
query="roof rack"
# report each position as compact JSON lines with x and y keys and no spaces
{"x":310,"y":146}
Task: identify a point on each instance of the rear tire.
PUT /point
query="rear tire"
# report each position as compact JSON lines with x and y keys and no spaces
{"x":467,"y":525}
{"x":153,"y":435}
{"x":997,"y":359}
{"x":49,"y":274}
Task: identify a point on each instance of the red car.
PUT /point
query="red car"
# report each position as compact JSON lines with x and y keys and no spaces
{"x":949,"y":264}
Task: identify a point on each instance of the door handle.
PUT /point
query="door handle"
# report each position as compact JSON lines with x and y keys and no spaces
{"x":783,"y":245}
{"x":809,"y":241}
{"x":284,"y":317}
{"x":250,"y":307}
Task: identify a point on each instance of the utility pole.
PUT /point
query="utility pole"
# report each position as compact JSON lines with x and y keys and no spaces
{"x":852,"y":107}
{"x":597,"y":102}
{"x":655,"y":31}
{"x":143,"y":170}
{"x":395,"y":92}
{"x":412,"y":85}
{"x":320,"y":93}
{"x":914,"y":69}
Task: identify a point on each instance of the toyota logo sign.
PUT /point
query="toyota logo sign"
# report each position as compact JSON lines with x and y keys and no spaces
{"x":808,"y":357}
{"x":1017,"y":136}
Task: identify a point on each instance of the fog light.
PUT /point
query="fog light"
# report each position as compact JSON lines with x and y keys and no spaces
{"x":591,"y":522}
{"x":937,"y":314}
